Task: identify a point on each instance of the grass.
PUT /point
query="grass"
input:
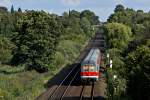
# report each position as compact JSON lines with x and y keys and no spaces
{"x":6,"y":69}
{"x":26,"y":85}
{"x":22,"y":85}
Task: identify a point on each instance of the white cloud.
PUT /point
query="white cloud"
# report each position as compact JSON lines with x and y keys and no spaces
{"x":6,"y":3}
{"x":71,"y":2}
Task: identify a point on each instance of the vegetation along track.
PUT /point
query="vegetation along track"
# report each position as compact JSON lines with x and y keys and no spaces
{"x":70,"y":88}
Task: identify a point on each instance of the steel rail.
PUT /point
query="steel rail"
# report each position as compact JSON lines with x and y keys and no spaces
{"x":69,"y":85}
{"x":92,"y":92}
{"x":82,"y":91}
{"x":62,"y":82}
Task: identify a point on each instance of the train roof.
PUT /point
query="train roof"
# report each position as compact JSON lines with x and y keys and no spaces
{"x":88,"y":62}
{"x":92,"y":56}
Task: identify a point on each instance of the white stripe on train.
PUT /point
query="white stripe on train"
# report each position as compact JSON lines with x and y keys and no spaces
{"x":89,"y":76}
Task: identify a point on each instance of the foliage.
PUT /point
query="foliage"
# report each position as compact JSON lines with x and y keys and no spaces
{"x":118,"y":35}
{"x":86,"y":26}
{"x":6,"y":47}
{"x":25,"y":85}
{"x":139,"y":72}
{"x":12,"y":9}
{"x":36,"y":40}
{"x":36,"y":34}
{"x":123,"y":16}
{"x":6,"y":24}
{"x":119,"y":8}
{"x":19,"y":10}
{"x":3,"y":9}
{"x":116,"y":86}
{"x":41,"y":41}
{"x":135,"y":58}
{"x":135,"y":19}
{"x":90,"y":16}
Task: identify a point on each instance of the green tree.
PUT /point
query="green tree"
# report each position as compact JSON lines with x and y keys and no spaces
{"x":74,"y":13}
{"x":12,"y":9}
{"x":19,"y":10}
{"x":124,"y":16}
{"x":6,"y":47}
{"x":94,"y":20}
{"x":119,"y":8}
{"x":36,"y":40}
{"x":131,"y":63}
{"x":3,"y":9}
{"x":138,"y":69}
{"x":118,"y":35}
{"x":6,"y":24}
{"x":86,"y":26}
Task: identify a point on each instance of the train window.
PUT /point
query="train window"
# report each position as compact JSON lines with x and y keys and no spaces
{"x":85,"y":68}
{"x":88,"y":67}
{"x":91,"y":68}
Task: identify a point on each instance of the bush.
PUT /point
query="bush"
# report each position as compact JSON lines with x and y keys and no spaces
{"x":6,"y":48}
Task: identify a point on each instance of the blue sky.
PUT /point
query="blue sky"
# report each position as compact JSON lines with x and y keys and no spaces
{"x":102,"y":8}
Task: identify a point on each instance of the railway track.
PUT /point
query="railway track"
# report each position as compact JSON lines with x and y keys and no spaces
{"x":70,"y":87}
{"x":87,"y":92}
{"x":57,"y":95}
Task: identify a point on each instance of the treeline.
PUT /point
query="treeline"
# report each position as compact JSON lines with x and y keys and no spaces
{"x":32,"y":38}
{"x":128,"y":41}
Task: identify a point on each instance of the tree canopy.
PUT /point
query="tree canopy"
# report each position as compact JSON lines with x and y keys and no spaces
{"x":131,"y":53}
{"x":118,"y":35}
{"x":35,"y":35}
{"x":36,"y":38}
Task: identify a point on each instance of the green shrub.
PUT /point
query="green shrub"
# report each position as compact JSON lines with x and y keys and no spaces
{"x":6,"y":47}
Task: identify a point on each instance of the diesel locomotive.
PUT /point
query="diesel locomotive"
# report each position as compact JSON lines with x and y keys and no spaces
{"x":90,"y":66}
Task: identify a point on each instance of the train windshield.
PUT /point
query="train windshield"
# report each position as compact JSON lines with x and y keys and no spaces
{"x":88,"y":68}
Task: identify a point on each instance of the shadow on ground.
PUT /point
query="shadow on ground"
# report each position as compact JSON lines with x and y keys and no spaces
{"x":58,"y":78}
